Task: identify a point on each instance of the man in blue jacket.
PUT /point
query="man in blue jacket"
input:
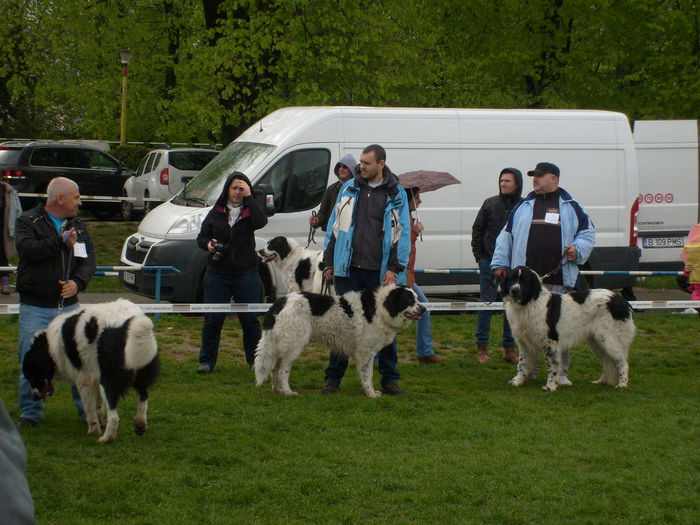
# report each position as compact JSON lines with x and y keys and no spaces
{"x":367,"y":245}
{"x":546,"y":231}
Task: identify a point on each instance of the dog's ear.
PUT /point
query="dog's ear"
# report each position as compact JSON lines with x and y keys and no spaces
{"x":534,"y":283}
{"x":280,"y":245}
{"x":37,"y":365}
{"x":504,"y":284}
{"x":398,"y":300}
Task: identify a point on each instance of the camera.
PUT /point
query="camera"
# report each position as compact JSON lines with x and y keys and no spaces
{"x":219,"y":248}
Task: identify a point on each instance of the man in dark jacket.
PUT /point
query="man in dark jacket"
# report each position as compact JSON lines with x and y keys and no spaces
{"x":344,"y":170}
{"x":488,"y":224}
{"x":56,"y":261}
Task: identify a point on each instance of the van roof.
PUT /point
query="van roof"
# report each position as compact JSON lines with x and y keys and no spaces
{"x":348,"y":124}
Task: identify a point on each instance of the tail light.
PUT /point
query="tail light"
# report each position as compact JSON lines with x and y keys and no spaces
{"x":12,"y":174}
{"x":164,"y":176}
{"x":633,"y":221}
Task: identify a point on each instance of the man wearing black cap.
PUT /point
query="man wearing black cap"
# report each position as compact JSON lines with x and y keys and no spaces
{"x":549,"y":232}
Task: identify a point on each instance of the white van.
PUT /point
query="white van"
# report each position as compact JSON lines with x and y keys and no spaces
{"x":294,"y":150}
{"x":669,"y":186}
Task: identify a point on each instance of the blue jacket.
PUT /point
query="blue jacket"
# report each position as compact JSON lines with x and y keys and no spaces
{"x":341,"y":227}
{"x":576,"y":228}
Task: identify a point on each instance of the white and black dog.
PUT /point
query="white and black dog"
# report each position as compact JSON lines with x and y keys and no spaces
{"x":356,"y":324}
{"x":543,"y":321}
{"x":301,"y":268}
{"x":103,"y":349}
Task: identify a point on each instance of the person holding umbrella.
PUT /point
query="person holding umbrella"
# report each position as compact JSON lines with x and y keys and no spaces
{"x":56,"y":261}
{"x":424,"y":339}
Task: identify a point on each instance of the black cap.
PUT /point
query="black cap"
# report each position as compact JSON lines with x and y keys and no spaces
{"x":544,"y":167}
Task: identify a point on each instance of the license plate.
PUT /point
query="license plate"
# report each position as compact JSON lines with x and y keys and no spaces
{"x":129,"y":277}
{"x":664,"y":242}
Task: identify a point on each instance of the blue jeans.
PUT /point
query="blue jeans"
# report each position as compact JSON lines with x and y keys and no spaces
{"x":31,"y":319}
{"x":220,"y":289}
{"x":388,"y":358}
{"x":424,"y":338}
{"x":489,"y":289}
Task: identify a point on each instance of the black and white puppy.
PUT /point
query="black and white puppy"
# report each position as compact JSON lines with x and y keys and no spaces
{"x":301,"y":268}
{"x":356,"y":324}
{"x":104,"y":349}
{"x":543,"y":321}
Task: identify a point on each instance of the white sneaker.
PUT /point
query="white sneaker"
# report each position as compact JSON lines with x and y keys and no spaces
{"x":564,"y":381}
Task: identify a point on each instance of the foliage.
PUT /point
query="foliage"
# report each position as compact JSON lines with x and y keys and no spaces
{"x":204,"y":71}
{"x":462,"y":446}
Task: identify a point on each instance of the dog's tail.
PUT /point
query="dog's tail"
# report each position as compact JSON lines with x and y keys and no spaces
{"x":264,"y":359}
{"x":141,"y":346}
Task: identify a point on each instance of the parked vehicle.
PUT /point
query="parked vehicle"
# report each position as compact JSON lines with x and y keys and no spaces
{"x":294,"y":149}
{"x":162,"y":174}
{"x":29,"y":166}
{"x":669,"y":186}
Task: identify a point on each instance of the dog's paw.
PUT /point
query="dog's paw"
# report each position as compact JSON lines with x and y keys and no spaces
{"x":374,"y":394}
{"x":550,"y":387}
{"x":517,"y":381}
{"x":94,"y":430}
{"x":106,"y":439}
{"x":621,"y":385}
{"x":289,"y":393}
{"x":139,"y":428}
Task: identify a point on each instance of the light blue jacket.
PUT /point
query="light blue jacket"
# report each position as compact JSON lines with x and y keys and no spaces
{"x":397,"y":228}
{"x":576,"y":229}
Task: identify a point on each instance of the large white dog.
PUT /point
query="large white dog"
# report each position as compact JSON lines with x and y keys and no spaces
{"x":356,"y":324}
{"x":551,"y":323}
{"x":103,"y":349}
{"x":301,"y":268}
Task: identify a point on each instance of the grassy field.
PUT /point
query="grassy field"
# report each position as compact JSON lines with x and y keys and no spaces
{"x":461,"y":447}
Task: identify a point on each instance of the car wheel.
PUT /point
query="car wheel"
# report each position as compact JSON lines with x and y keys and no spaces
{"x":147,"y":205}
{"x":127,"y":210}
{"x":103,"y":211}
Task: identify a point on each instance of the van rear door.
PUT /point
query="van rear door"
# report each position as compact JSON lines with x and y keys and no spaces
{"x":667,"y":160}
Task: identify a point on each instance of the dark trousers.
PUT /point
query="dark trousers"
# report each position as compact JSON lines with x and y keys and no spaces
{"x":221,"y":289}
{"x":388,"y":358}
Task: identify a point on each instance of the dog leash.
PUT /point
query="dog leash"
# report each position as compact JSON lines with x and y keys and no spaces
{"x":312,"y":230}
{"x":559,"y":267}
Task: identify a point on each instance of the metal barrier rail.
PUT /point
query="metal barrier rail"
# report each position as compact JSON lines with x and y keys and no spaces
{"x":100,"y":198}
{"x":433,"y":307}
{"x":634,"y":273}
{"x":112,"y":271}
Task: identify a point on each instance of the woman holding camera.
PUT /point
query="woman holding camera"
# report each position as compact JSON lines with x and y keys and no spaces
{"x":228,"y":234}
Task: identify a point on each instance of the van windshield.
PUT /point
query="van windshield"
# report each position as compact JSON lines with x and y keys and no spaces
{"x":206,"y":186}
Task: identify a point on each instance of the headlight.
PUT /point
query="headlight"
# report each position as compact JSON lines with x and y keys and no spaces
{"x":185,"y":226}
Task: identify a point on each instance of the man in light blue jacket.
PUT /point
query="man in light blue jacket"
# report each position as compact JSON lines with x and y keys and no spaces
{"x":547,"y":230}
{"x":368,"y":242}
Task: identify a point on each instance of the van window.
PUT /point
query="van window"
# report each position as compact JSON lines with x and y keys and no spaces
{"x":298,"y":179}
{"x":97,"y":160}
{"x":206,"y":187}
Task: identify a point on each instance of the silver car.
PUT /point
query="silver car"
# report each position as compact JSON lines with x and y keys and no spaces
{"x":161,"y":175}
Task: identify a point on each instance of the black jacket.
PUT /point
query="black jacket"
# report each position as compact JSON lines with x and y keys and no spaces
{"x":239,"y":256}
{"x":492,"y":217}
{"x":44,"y":259}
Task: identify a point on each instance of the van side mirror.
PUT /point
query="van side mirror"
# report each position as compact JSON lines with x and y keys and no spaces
{"x":265,"y":196}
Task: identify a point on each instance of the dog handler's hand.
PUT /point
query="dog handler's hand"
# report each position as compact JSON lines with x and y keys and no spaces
{"x":328,"y":274}
{"x":570,"y":252}
{"x":210,"y":246}
{"x":68,"y":288}
{"x":500,"y":273}
{"x":389,"y":278}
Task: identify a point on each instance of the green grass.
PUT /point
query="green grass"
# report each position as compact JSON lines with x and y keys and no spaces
{"x":462,"y":446}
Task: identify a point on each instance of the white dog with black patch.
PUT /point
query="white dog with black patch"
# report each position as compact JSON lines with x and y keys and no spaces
{"x":356,"y":324}
{"x":103,"y":349}
{"x":301,"y":268}
{"x":543,"y":321}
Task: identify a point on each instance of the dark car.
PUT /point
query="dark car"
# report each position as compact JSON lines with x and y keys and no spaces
{"x":29,"y":166}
